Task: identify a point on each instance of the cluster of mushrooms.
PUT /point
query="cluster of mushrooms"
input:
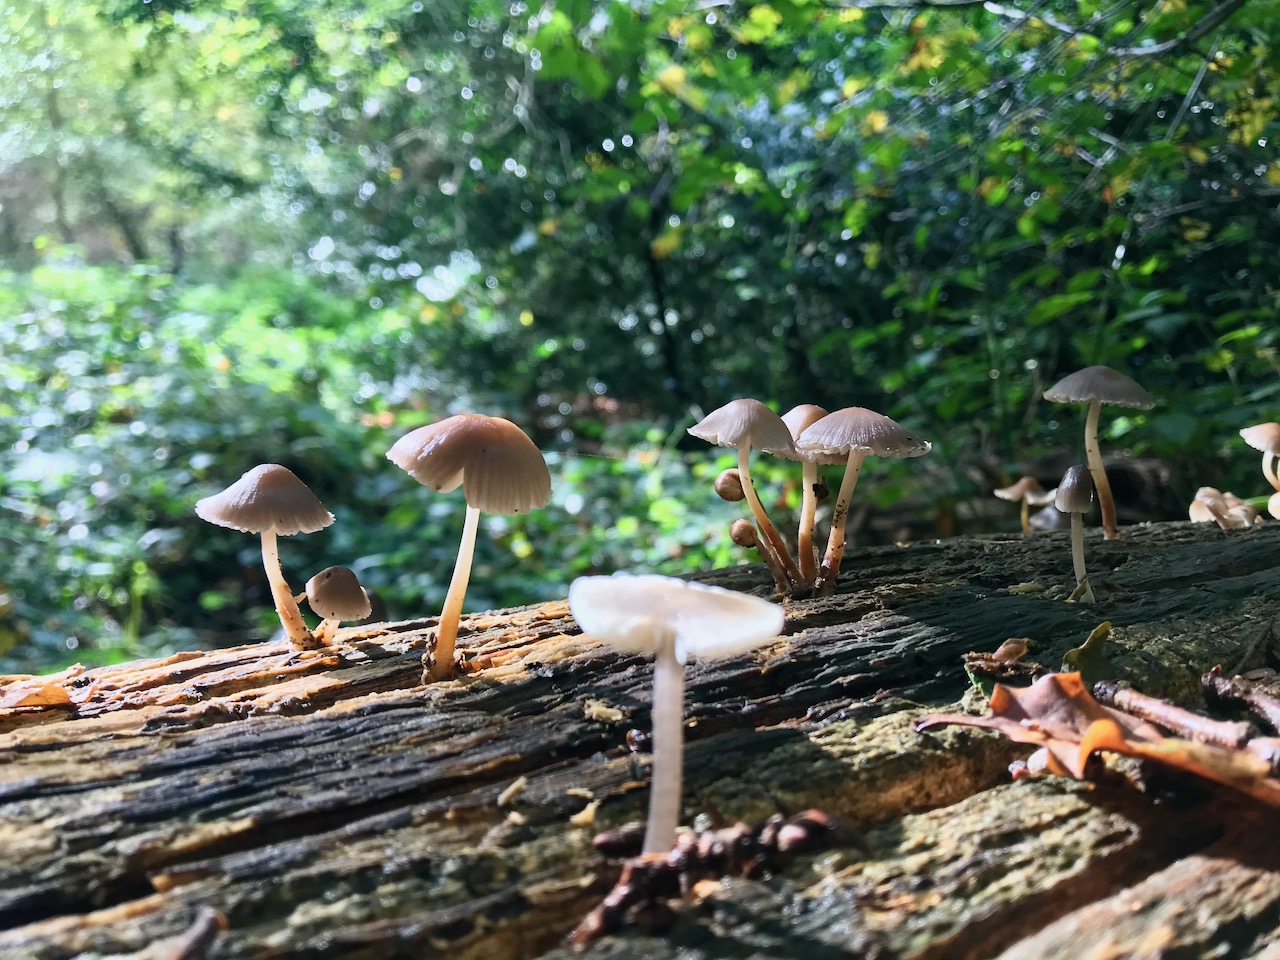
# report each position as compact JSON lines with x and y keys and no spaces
{"x":502,"y":471}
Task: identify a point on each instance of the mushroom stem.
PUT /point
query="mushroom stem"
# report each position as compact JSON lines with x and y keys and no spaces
{"x":667,"y":772}
{"x":1026,"y":516}
{"x":447,"y":632}
{"x":770,"y":540}
{"x":326,"y":631}
{"x":295,"y":628}
{"x":1093,"y":455}
{"x":1077,"y":557}
{"x":804,"y":539}
{"x":826,"y":584}
{"x":1271,"y":469}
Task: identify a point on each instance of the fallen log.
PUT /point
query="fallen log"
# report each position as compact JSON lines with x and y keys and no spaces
{"x":260,"y":802}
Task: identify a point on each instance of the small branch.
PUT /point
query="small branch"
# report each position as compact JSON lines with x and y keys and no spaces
{"x":1242,"y":690}
{"x":1179,"y":722}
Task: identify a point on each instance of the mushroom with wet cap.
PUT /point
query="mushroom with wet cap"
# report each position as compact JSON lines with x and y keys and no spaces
{"x":1095,"y":386}
{"x":852,"y":434}
{"x":728,"y":486}
{"x":335,"y":595}
{"x":673,"y":620}
{"x":1266,"y":437}
{"x":1027,"y":492}
{"x":499,"y":469}
{"x":1075,"y":496}
{"x":270,"y":500}
{"x":799,"y":419}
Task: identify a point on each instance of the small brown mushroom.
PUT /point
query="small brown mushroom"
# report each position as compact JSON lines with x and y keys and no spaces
{"x":798,"y":420}
{"x":1027,"y":492}
{"x":1095,"y":386}
{"x":744,"y":424}
{"x":728,"y":486}
{"x":270,"y":500}
{"x":1075,"y":496}
{"x":743,"y":532}
{"x":1266,"y":437}
{"x":499,"y":469}
{"x":335,"y":595}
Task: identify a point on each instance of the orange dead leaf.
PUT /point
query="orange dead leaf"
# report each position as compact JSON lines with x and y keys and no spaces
{"x":41,"y":695}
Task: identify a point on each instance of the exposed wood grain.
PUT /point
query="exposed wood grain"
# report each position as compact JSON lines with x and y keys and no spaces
{"x":328,"y":805}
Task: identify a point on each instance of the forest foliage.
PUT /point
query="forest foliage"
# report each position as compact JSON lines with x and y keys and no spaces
{"x":275,"y":230}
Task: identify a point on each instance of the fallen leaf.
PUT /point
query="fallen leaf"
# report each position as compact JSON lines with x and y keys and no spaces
{"x":43,"y":695}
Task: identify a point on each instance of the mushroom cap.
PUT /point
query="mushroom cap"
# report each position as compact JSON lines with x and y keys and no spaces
{"x":746,"y":421}
{"x":1203,"y":511}
{"x":728,"y":486}
{"x":1102,"y":384}
{"x":637,"y":613}
{"x":498,"y":467}
{"x":800,"y":418}
{"x":268,"y":497}
{"x":335,"y":594}
{"x":744,"y":533}
{"x":1075,"y":492}
{"x":1029,"y":489}
{"x":838,"y":434}
{"x":1263,"y":436}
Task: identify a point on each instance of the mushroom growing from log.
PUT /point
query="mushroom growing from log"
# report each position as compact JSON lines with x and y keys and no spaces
{"x":798,"y":420}
{"x":673,"y":620}
{"x":1027,"y":492}
{"x":499,"y":469}
{"x":852,"y":434}
{"x":1266,"y":437}
{"x":1095,"y":386}
{"x":270,"y":500}
{"x":335,"y":595}
{"x":1075,"y":496}
{"x":744,"y":424}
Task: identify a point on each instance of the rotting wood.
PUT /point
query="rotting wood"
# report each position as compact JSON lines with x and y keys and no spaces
{"x":326,"y":804}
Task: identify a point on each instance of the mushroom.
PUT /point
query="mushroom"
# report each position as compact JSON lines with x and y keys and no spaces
{"x":1075,"y":496}
{"x":798,"y":419}
{"x":1095,"y":386}
{"x":272,"y":501}
{"x":1029,"y":493}
{"x":1266,"y":437}
{"x":728,"y":486}
{"x":1227,"y":510}
{"x":499,"y":469}
{"x":852,"y":434}
{"x":1273,"y":505}
{"x":744,"y":534}
{"x":334,"y":595}
{"x":673,"y":620}
{"x":744,"y":424}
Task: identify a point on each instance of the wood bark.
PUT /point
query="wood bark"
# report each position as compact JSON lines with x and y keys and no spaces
{"x":326,"y":804}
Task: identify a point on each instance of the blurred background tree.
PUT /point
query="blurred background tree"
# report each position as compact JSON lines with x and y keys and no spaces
{"x":276,"y":230}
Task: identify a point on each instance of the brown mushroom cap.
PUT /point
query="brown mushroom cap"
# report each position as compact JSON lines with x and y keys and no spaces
{"x":744,"y":534}
{"x":335,"y":594}
{"x":1264,"y":437}
{"x":1029,"y":489}
{"x":268,"y":497}
{"x":857,"y":428}
{"x":1075,"y":492}
{"x":1100,"y":383}
{"x":728,"y":486}
{"x":800,"y":418}
{"x":746,"y":421}
{"x":498,"y":467}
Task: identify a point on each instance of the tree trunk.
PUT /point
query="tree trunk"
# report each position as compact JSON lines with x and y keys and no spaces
{"x":327,"y":805}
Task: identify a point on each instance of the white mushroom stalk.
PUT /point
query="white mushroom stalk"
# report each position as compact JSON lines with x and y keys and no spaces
{"x":830,"y":570}
{"x":771,"y":539}
{"x":1075,"y":496}
{"x":295,"y":627}
{"x":451,"y":614}
{"x":673,"y":620}
{"x":798,"y":419}
{"x":1093,"y":456}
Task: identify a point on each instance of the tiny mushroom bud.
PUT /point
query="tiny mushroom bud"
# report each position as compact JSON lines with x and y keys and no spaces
{"x":744,"y":424}
{"x":798,"y":420}
{"x":1095,"y":386}
{"x":673,"y":620}
{"x":499,"y":469}
{"x":1266,"y":437}
{"x":851,"y":434}
{"x":335,"y":595}
{"x":1028,"y":492}
{"x":729,"y":486}
{"x":1075,"y":496}
{"x":1209,"y":506}
{"x":743,"y":533}
{"x":270,"y":500}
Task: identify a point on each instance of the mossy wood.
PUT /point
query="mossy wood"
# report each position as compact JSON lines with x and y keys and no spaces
{"x":327,"y":805}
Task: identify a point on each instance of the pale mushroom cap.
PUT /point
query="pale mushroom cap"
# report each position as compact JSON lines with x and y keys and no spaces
{"x":335,"y":594}
{"x":1075,"y":492}
{"x":1027,"y":488}
{"x":1212,"y":496}
{"x":633,"y":613}
{"x":1201,"y":511}
{"x":1102,"y":384}
{"x":857,"y":428}
{"x":1263,"y":436}
{"x":268,"y":497}
{"x":746,"y":421}
{"x":800,"y":418}
{"x":498,"y":467}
